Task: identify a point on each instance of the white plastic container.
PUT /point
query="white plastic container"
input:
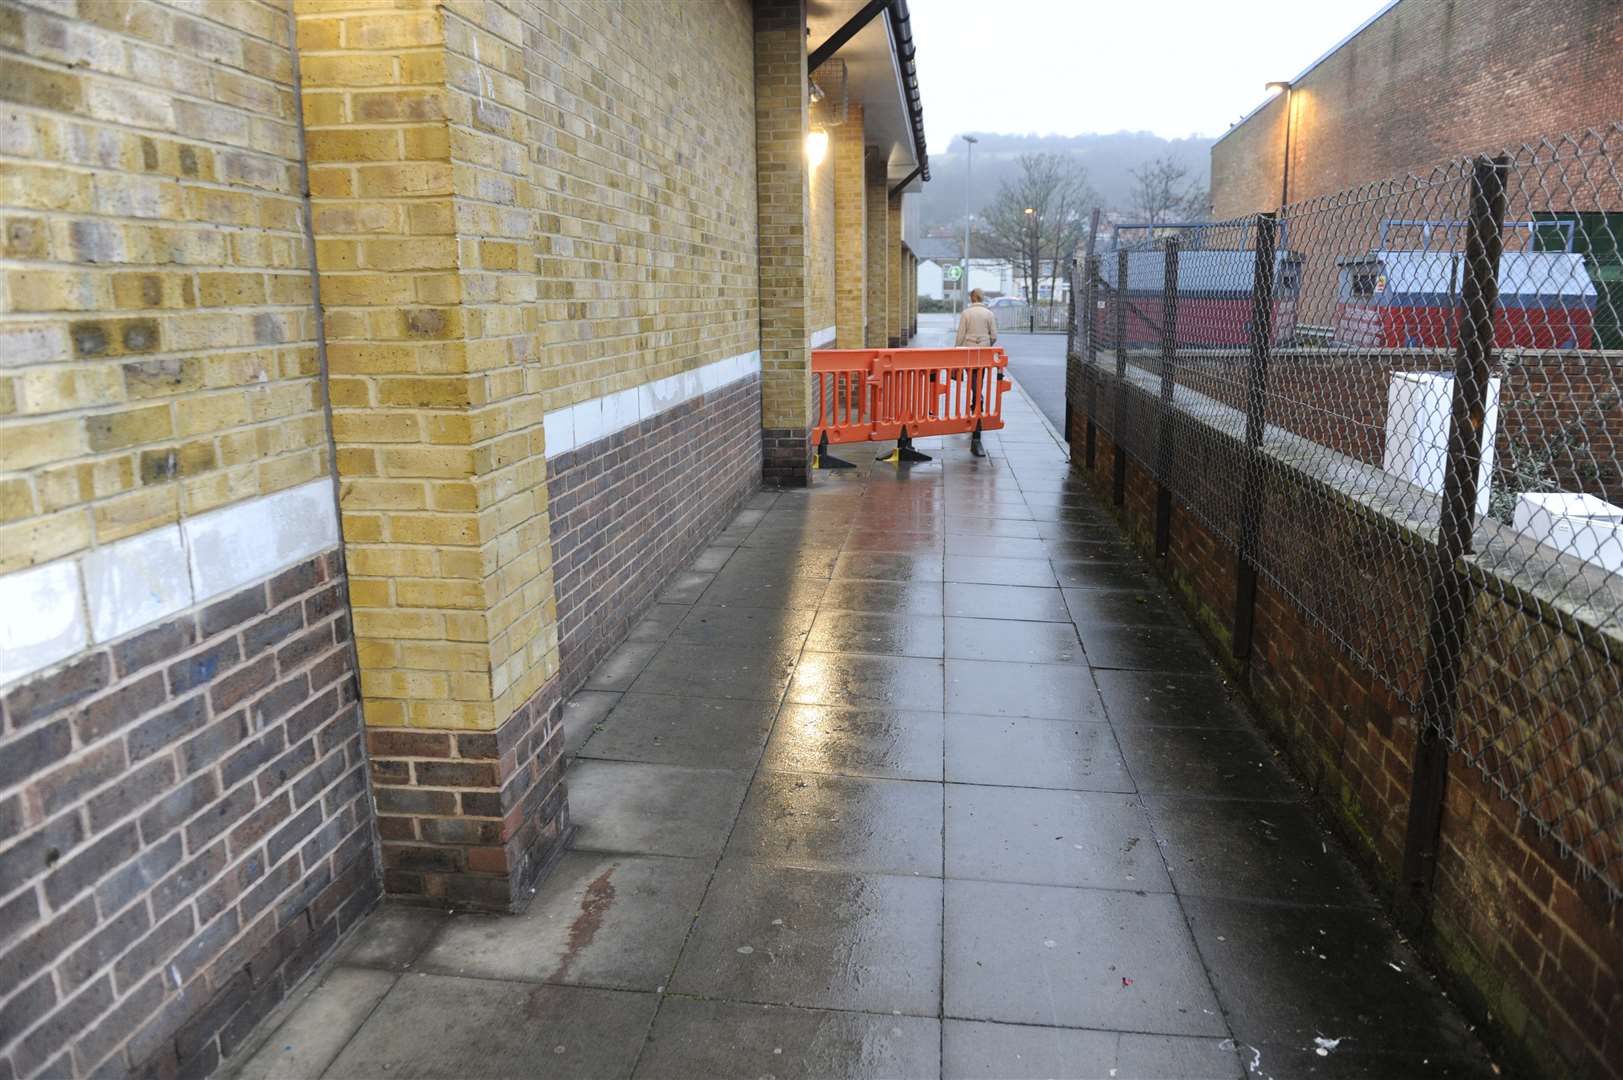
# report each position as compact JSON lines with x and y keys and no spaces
{"x":1417,"y":408}
{"x":1583,"y":526}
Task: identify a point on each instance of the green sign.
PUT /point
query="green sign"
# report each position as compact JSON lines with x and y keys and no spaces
{"x":953,"y":273}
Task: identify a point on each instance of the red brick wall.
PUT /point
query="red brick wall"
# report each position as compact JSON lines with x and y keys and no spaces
{"x":630,"y":510}
{"x":1428,"y":80}
{"x":1515,"y":931}
{"x":192,"y":832}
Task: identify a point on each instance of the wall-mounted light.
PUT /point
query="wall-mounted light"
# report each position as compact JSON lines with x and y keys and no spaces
{"x":816,"y":146}
{"x":1276,"y":87}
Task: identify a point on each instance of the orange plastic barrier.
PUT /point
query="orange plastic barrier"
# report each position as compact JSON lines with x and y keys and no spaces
{"x":865,"y":395}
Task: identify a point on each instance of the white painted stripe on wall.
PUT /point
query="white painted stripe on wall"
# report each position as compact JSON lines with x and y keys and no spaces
{"x":48,"y":613}
{"x":587,"y":421}
{"x":823,"y":337}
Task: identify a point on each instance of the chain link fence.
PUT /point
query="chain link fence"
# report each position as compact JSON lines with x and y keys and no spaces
{"x":1402,"y":405}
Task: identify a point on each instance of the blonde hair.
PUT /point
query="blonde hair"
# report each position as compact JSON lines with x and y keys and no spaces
{"x":976,"y":296}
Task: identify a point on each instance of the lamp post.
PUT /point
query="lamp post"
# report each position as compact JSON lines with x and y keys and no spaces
{"x":1033,"y":270}
{"x":1285,"y":180}
{"x":969,"y":173}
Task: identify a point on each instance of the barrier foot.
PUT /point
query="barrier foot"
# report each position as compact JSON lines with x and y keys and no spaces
{"x":826,"y":460}
{"x":975,"y":446}
{"x":904,"y":452}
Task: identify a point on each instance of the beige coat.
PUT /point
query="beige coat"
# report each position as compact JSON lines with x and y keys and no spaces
{"x":977,"y":326}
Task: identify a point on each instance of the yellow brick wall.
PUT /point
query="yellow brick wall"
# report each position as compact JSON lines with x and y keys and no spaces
{"x":494,"y":122}
{"x":404,"y":376}
{"x":850,"y":231}
{"x":157,"y":333}
{"x":644,"y":149}
{"x":517,"y":206}
{"x":877,"y":192}
{"x":782,"y":182}
{"x":821,"y":256}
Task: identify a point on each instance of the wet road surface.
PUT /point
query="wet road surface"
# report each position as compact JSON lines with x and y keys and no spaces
{"x":915,"y":773}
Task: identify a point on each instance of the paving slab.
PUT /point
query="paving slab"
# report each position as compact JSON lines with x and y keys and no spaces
{"x":685,"y":670}
{"x":1252,"y":850}
{"x":712,"y":733}
{"x":636,"y":807}
{"x":1078,"y":755}
{"x":1052,"y":838}
{"x":995,"y":688}
{"x":722,"y":1039}
{"x":900,"y":744}
{"x":781,"y":935}
{"x":966,"y":600}
{"x":976,"y":1050}
{"x":1074,"y":958}
{"x":582,"y":714}
{"x":433,"y":1026}
{"x":904,"y":682}
{"x":1290,"y":974}
{"x":392,"y":937}
{"x":1204,"y":762}
{"x":614,"y":921}
{"x":752,"y":629}
{"x":841,"y":823}
{"x":1013,"y":640}
{"x":1169,"y":699}
{"x":326,"y":1017}
{"x":879,"y":633}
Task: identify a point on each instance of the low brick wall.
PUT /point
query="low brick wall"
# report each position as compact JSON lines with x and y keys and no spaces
{"x":630,"y":510}
{"x":1532,"y":949}
{"x":194,"y":832}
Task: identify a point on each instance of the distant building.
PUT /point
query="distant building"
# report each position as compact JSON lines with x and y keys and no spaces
{"x":993,"y":276}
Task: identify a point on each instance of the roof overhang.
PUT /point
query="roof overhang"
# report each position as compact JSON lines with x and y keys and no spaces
{"x":879,"y":77}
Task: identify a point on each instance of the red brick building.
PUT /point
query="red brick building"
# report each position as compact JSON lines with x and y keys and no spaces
{"x":1421,"y":81}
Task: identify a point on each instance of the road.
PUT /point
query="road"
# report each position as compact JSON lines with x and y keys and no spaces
{"x":1037,"y":362}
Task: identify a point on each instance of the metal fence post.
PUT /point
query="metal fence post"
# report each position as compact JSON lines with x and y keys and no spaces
{"x":1090,"y":323}
{"x":1451,"y":590}
{"x":1118,"y":488}
{"x":1256,"y":400}
{"x":1072,"y":361}
{"x":1169,"y":359}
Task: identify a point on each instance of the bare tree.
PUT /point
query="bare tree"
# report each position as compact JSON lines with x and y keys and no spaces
{"x":1038,"y":219}
{"x":1162,"y":193}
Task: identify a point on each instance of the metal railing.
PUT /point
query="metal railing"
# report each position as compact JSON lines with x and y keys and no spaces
{"x":1407,"y":418}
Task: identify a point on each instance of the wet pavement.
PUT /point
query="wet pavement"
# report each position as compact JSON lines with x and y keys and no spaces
{"x":917,"y":773}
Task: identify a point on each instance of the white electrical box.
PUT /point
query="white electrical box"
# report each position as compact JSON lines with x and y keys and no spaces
{"x":1417,"y":408}
{"x":1582,"y":526}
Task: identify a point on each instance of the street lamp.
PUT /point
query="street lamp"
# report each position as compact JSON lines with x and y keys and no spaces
{"x":969,"y":163}
{"x":1285,"y":181}
{"x":1031,"y":284}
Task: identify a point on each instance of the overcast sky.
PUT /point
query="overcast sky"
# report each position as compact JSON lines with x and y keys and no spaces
{"x":1065,"y":67}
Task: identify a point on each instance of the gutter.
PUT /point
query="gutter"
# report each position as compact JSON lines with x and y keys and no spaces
{"x":902,"y":50}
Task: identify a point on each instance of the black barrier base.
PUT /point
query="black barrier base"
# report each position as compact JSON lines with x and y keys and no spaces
{"x":825,"y":460}
{"x":904,"y":453}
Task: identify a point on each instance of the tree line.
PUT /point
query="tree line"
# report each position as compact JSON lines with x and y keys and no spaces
{"x":1039,"y":219}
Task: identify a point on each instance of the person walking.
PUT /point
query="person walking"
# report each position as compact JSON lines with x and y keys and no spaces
{"x":977,"y":325}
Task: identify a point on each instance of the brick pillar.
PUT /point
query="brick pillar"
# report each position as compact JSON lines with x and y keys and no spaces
{"x":781,"y":190}
{"x":877,"y":190}
{"x":437,"y":417}
{"x":895,"y":327}
{"x":850,"y":232}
